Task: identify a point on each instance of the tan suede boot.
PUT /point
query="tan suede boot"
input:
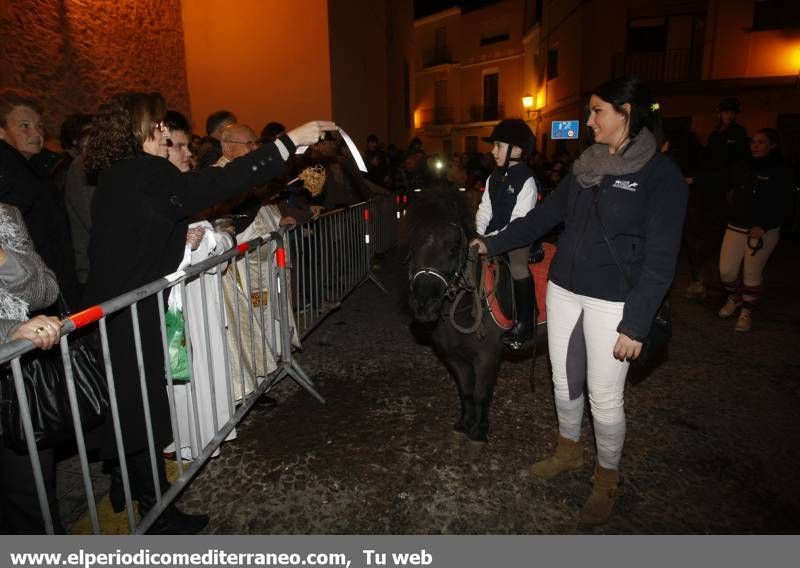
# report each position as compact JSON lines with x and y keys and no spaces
{"x":568,"y":456}
{"x":600,"y":503}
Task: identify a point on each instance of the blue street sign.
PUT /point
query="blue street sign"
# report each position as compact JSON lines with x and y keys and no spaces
{"x":564,"y":129}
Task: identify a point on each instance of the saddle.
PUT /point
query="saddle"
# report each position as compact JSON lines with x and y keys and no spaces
{"x":497,"y":285}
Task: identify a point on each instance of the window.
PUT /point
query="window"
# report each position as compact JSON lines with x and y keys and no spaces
{"x":552,"y":64}
{"x":471,"y":144}
{"x":776,"y":14}
{"x":491,"y":99}
{"x":447,"y":147}
{"x":441,"y":38}
{"x":442,"y":114}
{"x":647,"y":35}
{"x":440,"y":94}
{"x":406,"y":95}
{"x":494,"y":39}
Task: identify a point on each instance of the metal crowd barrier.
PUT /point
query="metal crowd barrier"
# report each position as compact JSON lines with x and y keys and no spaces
{"x":330,"y":258}
{"x":333,"y":256}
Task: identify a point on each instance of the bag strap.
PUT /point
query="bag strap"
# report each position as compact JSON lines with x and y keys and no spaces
{"x":63,"y":307}
{"x":595,"y":199}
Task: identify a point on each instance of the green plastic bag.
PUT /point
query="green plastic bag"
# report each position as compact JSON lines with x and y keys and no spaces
{"x":176,"y":341}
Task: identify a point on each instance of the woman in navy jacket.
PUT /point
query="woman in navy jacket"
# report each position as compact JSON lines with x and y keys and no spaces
{"x":596,"y":322}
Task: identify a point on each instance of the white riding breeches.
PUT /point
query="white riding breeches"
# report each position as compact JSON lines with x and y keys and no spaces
{"x":581,"y":334}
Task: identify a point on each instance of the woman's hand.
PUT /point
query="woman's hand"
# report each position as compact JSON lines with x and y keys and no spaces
{"x":756,"y":233}
{"x":627,"y":349}
{"x":42,"y":331}
{"x":316,"y":211}
{"x":480,"y":244}
{"x":311,"y":132}
{"x":194,"y":236}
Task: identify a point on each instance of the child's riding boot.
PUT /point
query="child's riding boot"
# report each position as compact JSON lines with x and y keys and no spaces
{"x":523,"y":329}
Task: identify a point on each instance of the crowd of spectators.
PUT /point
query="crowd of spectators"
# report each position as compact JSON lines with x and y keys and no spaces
{"x":131,"y":191}
{"x":741,"y":188}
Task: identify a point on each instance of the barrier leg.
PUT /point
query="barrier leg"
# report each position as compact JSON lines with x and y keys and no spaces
{"x":290,"y":368}
{"x":369,"y":276}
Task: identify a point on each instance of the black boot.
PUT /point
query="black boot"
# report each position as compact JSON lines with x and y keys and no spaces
{"x":175,"y":521}
{"x":172,"y":520}
{"x":522,"y":330}
{"x":116,"y":493}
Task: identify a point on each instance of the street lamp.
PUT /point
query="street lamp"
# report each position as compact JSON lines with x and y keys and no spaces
{"x":527,"y":102}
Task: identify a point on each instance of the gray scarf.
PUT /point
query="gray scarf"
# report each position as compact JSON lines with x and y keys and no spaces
{"x":13,"y":237}
{"x":596,"y":161}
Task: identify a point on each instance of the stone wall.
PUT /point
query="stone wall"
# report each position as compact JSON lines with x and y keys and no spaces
{"x":74,"y":54}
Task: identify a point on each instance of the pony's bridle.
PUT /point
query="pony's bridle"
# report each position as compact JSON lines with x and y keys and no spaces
{"x":451,"y":285}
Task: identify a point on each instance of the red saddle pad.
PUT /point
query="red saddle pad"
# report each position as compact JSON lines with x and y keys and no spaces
{"x":539,"y":273}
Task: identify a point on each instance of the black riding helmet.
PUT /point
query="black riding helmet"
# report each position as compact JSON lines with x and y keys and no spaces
{"x":515,"y":132}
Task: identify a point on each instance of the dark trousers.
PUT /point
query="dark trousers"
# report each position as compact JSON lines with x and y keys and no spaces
{"x":19,"y":504}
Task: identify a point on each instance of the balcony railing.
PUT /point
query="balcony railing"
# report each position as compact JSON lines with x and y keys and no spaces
{"x":436,"y":115}
{"x":486,"y":113}
{"x":660,"y":66}
{"x":436,"y":56}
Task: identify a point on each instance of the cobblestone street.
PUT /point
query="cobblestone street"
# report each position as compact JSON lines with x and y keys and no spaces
{"x":711,"y":448}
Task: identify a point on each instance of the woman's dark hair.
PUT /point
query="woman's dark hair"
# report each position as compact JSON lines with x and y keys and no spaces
{"x":631,"y":90}
{"x":174,"y":120}
{"x":73,"y":127}
{"x":120,"y":127}
{"x":772,"y":135}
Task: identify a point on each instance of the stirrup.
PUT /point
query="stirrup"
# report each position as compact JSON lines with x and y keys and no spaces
{"x":515,"y":343}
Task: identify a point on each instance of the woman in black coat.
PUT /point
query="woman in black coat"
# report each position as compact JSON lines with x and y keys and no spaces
{"x":759,"y":187}
{"x":140,"y":219}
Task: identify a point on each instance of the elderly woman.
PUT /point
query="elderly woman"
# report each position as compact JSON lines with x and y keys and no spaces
{"x":140,"y":220}
{"x":622,"y":193}
{"x":21,"y":138}
{"x":25,"y":284}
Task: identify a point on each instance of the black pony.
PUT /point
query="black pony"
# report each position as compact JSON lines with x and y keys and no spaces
{"x":440,"y":227}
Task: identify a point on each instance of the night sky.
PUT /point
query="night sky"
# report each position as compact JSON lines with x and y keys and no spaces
{"x":424,"y":8}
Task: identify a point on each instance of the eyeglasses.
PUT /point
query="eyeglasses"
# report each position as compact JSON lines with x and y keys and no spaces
{"x":160,"y":126}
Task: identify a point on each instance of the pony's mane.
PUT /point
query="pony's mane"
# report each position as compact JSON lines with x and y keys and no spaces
{"x":435,"y":207}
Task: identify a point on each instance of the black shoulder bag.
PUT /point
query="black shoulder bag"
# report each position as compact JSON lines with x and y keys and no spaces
{"x":46,"y":390}
{"x":661,"y":329}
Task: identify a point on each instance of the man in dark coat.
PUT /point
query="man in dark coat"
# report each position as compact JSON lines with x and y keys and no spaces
{"x":211,"y":147}
{"x":21,"y":187}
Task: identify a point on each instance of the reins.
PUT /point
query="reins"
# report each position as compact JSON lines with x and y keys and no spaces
{"x":467,"y":285}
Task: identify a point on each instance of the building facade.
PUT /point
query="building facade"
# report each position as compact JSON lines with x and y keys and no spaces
{"x":469,"y":74}
{"x":551,"y":54}
{"x":265,"y":61}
